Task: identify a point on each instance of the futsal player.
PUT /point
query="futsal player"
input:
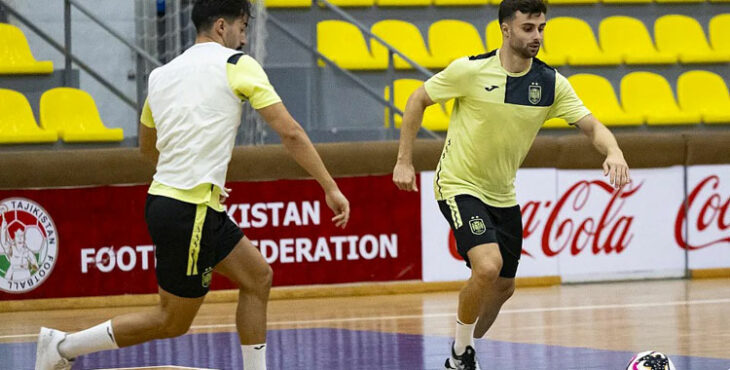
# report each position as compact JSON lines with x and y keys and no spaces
{"x":188,"y":128}
{"x":502,"y":99}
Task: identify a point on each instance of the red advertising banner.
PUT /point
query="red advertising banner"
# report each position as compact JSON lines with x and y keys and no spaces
{"x":94,"y":241}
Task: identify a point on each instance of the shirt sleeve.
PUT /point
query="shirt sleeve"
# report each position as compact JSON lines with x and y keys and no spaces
{"x":146,"y":117}
{"x":249,"y":82}
{"x":567,"y":105}
{"x":449,"y":83}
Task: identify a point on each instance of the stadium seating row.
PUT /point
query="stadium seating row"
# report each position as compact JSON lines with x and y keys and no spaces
{"x":399,"y":3}
{"x":66,"y":113}
{"x":645,"y":98}
{"x":15,"y":55}
{"x":568,"y":40}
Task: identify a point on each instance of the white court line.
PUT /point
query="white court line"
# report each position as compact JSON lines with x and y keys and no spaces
{"x":449,"y":314}
{"x":512,"y":311}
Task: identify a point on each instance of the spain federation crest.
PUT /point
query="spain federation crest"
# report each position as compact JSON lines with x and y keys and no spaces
{"x":28,"y":245}
{"x":535,"y":93}
{"x":477,"y":226}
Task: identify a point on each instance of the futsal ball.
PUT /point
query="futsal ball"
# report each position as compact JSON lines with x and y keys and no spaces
{"x":650,"y":360}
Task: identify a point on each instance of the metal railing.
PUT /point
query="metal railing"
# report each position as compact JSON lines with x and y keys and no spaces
{"x":392,"y":51}
{"x":70,"y":58}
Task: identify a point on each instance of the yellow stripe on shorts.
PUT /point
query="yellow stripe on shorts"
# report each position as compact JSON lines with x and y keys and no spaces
{"x":194,"y":249}
{"x":455,"y":214}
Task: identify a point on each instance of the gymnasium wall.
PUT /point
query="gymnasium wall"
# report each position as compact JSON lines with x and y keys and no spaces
{"x":83,"y":215}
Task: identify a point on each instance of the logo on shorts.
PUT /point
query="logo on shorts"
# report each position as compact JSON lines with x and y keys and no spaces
{"x":28,"y":245}
{"x":477,"y":226}
{"x":535,"y":93}
{"x":207,"y":277}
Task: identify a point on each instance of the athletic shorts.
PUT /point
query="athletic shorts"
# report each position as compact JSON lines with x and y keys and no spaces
{"x":189,"y":241}
{"x":475,"y":223}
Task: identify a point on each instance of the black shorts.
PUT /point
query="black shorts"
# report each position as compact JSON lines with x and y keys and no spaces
{"x":189,"y":241}
{"x":478,"y":223}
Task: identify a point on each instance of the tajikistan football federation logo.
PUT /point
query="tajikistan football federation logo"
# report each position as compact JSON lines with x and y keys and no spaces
{"x":28,"y":245}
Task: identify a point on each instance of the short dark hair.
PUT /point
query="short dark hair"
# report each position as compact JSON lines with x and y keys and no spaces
{"x":508,"y":8}
{"x":205,"y":12}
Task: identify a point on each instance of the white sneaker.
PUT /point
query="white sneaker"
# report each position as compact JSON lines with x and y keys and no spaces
{"x":466,"y":361}
{"x":47,"y":356}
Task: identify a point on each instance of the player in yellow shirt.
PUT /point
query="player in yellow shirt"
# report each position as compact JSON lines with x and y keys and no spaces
{"x":188,"y":128}
{"x":502,"y":99}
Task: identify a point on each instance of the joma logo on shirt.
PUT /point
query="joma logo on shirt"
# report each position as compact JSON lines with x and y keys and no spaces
{"x":490,"y":88}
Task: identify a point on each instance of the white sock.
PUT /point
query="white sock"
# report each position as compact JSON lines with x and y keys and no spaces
{"x":254,"y":356}
{"x":98,"y":338}
{"x":464,"y":336}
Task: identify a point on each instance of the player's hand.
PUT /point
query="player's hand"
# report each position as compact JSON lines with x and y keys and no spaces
{"x":616,"y":169}
{"x":404,"y":176}
{"x":223,"y":198}
{"x":340,"y":206}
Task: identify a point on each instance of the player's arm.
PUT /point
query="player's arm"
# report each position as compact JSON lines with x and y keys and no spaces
{"x":441,"y":87}
{"x":404,"y":174}
{"x":297,"y":143}
{"x":148,"y":135}
{"x":615,"y":165}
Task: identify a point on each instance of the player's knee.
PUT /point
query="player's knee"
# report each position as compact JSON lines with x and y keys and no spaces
{"x":506,"y":291}
{"x":171,"y":325}
{"x":267,"y":278}
{"x":261,"y":281}
{"x":171,"y":328}
{"x":485,"y":272}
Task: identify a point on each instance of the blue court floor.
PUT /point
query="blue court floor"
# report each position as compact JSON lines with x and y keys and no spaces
{"x":321,"y":348}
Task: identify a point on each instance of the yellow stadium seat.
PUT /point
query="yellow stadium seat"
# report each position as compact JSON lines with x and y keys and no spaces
{"x":343,"y":42}
{"x":73,"y":115}
{"x":556,"y":123}
{"x":573,"y":38}
{"x":17,"y":124}
{"x":599,"y":97}
{"x":684,"y":36}
{"x":720,"y":32}
{"x":705,"y":93}
{"x":450,"y":39}
{"x":351,"y":3}
{"x":571,"y":2}
{"x":407,"y":39}
{"x":680,"y":1}
{"x":288,"y":3}
{"x":460,"y":2}
{"x":626,"y":1}
{"x":629,"y":38}
{"x":650,"y":95}
{"x":434,"y":118}
{"x":494,"y":41}
{"x":403,"y":2}
{"x":493,"y":35}
{"x":15,"y":55}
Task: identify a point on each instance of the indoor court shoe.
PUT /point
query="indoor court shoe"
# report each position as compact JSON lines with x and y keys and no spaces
{"x":47,"y":356}
{"x":467,"y":360}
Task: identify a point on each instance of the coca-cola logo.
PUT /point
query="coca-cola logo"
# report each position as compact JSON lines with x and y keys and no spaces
{"x":610,"y":234}
{"x":708,"y":212}
{"x":568,"y":227}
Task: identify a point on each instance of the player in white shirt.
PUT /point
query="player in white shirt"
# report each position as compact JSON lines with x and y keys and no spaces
{"x":188,"y":129}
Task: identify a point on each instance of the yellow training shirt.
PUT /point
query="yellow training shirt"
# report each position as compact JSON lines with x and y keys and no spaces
{"x":495,"y":119}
